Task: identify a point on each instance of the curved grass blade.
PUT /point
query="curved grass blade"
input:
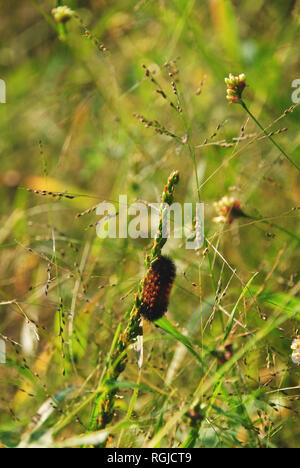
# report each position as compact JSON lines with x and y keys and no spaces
{"x":167,"y":326}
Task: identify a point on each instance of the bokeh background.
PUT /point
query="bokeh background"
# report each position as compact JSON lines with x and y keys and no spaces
{"x":72,"y":125}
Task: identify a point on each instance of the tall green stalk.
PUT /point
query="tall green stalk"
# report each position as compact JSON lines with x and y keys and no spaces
{"x":103,"y":407}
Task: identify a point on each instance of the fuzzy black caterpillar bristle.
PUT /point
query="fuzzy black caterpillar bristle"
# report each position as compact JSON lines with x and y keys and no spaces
{"x":157,"y":288}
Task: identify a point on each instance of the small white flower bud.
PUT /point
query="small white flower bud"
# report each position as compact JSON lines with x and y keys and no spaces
{"x":62,"y":14}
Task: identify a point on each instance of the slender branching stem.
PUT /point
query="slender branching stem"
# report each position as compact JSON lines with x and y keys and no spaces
{"x":268,"y":135}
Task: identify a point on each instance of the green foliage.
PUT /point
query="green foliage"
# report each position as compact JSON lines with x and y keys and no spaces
{"x":111,"y":102}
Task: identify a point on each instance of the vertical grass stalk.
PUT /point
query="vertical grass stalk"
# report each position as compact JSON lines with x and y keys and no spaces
{"x":103,"y":407}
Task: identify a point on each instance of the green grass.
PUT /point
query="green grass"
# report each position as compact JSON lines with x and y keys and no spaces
{"x":86,"y":118}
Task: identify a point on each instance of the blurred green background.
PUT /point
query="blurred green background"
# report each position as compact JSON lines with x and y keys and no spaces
{"x":69,"y":126}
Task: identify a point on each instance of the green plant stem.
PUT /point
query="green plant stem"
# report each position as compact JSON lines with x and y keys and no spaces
{"x":274,"y":225}
{"x":46,"y":16}
{"x":62,"y":29}
{"x":268,"y":136}
{"x":102,"y":412}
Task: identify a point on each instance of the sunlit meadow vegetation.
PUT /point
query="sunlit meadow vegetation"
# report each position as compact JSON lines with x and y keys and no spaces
{"x":112,"y":99}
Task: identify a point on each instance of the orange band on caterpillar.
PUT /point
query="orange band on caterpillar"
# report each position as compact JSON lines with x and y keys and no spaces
{"x":157,"y":288}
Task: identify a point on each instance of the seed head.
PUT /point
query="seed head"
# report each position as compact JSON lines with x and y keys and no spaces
{"x":295,"y":346}
{"x":62,"y":14}
{"x":227,"y":210}
{"x":235,"y":86}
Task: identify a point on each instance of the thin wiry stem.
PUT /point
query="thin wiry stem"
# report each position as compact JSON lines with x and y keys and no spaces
{"x":268,"y":135}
